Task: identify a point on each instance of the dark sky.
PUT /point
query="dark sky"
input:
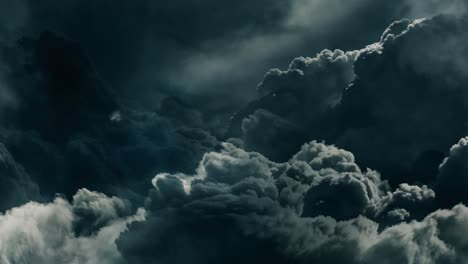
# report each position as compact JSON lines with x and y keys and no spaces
{"x":197,"y":49}
{"x":264,"y":131}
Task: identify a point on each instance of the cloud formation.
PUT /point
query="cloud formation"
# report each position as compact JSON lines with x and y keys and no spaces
{"x":318,"y":206}
{"x":81,"y":135}
{"x":44,"y":233}
{"x":389,"y":103}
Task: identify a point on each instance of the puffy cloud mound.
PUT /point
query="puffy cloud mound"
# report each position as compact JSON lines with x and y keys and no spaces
{"x":339,"y":176}
{"x":292,"y":100}
{"x":389,"y":103}
{"x":94,"y":210}
{"x":240,"y":206}
{"x":44,"y":233}
{"x":332,"y":69}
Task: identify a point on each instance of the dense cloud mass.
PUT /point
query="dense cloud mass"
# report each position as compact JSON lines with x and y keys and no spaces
{"x":134,"y":132}
{"x":44,"y":233}
{"x":390,"y":103}
{"x":317,"y":207}
{"x":69,"y":131}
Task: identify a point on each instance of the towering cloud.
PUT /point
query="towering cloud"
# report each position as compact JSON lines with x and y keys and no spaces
{"x":405,"y":97}
{"x":389,"y":103}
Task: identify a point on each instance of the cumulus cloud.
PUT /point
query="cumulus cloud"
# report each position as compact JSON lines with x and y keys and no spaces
{"x":291,"y":100}
{"x":389,"y":103}
{"x":44,"y":233}
{"x":94,"y":210}
{"x":153,"y":55}
{"x":318,"y":206}
{"x":405,"y":85}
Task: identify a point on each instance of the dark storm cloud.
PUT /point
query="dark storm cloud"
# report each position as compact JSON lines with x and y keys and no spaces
{"x":240,"y":206}
{"x":389,"y":103}
{"x":298,"y":96}
{"x":68,"y":129}
{"x":412,"y":91}
{"x":262,"y":128}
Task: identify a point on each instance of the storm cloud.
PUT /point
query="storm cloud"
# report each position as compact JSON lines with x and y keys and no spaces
{"x":69,"y":130}
{"x":389,"y":103}
{"x":145,"y":132}
{"x":319,"y":206}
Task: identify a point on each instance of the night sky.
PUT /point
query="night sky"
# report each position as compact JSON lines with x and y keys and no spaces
{"x":237,"y":132}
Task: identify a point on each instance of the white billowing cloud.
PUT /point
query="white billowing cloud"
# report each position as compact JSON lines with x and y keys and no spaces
{"x":44,"y":233}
